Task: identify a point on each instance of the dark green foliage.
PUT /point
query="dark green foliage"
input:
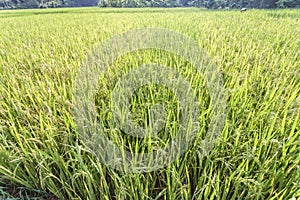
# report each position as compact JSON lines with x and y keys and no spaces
{"x":212,"y":4}
{"x":15,"y":4}
{"x":85,"y":2}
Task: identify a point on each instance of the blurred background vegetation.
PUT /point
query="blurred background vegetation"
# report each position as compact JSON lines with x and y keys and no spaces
{"x":212,"y":4}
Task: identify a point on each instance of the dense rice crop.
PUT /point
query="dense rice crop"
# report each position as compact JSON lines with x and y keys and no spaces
{"x":256,"y":157}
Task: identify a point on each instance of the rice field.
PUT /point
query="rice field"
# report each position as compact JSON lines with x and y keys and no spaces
{"x":257,"y":153}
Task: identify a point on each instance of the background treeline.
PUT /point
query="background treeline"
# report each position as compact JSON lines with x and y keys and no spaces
{"x":212,"y":4}
{"x":15,"y":4}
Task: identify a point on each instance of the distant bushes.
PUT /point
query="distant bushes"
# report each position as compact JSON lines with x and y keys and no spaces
{"x":211,"y":4}
{"x":19,"y":4}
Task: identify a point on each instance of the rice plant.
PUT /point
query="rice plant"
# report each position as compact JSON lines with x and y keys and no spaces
{"x":257,"y":155}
